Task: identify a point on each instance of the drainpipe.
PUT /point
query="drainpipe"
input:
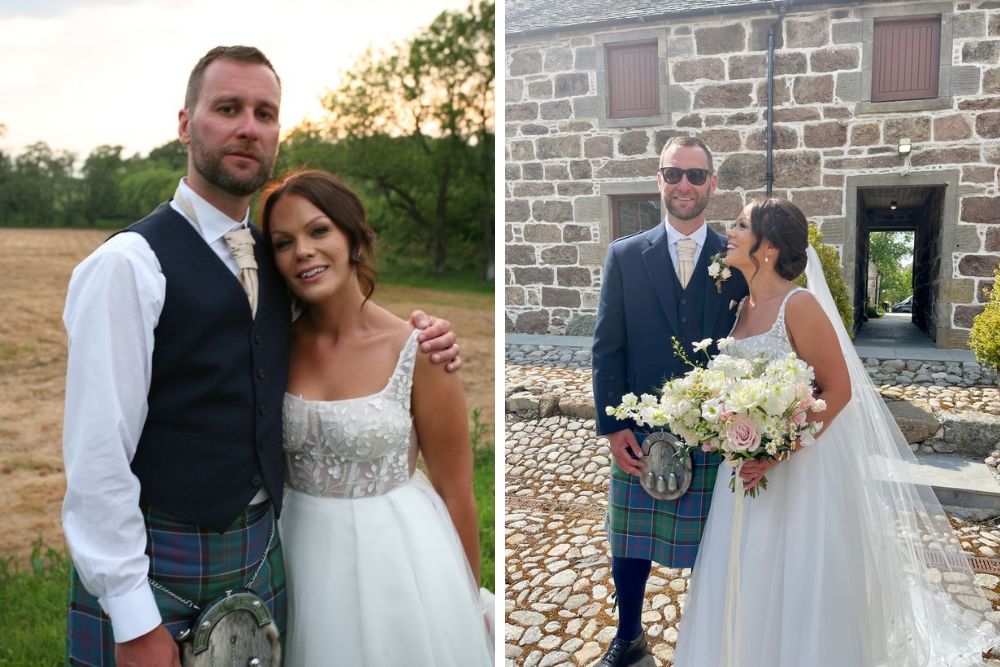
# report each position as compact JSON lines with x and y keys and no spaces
{"x":769,"y":176}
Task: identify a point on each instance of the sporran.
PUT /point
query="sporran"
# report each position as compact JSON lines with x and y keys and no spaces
{"x":668,"y":469}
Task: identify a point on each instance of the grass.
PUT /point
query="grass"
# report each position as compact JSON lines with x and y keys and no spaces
{"x":33,"y":599}
{"x":33,"y":609}
{"x":483,"y":485}
{"x":453,"y":281}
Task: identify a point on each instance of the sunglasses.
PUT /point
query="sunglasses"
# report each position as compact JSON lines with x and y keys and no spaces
{"x":672,"y":175}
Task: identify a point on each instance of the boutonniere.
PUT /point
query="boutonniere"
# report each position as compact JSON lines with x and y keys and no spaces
{"x":717,"y":269}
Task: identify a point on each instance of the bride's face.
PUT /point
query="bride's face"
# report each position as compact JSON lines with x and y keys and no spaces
{"x":312,"y":254}
{"x":742,"y":240}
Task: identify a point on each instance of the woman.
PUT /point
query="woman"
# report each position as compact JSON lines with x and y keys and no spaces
{"x":381,"y":565}
{"x":839,"y":560}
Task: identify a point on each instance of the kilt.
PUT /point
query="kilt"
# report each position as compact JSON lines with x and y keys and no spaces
{"x":197,"y":564}
{"x":666,"y":531}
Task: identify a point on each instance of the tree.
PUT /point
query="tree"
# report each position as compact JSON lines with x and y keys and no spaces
{"x":834,"y":278}
{"x":427,"y":103}
{"x":102,"y":174}
{"x":42,"y":188}
{"x":886,"y":250}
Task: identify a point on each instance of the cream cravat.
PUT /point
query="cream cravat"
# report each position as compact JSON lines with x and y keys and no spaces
{"x":685,"y":260}
{"x":240,"y":242}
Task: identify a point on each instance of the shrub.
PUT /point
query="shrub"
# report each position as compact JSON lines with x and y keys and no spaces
{"x":834,"y":279}
{"x":985,"y":337}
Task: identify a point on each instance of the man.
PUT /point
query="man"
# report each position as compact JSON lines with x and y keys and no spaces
{"x":656,"y":286}
{"x":176,"y":374}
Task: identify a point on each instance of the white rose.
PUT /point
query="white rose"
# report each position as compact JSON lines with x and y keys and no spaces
{"x":702,"y":344}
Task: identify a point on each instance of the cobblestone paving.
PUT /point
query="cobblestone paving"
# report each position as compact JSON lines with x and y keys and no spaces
{"x":559,"y":604}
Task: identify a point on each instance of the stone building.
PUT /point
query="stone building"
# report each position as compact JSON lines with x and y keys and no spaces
{"x":886,"y":116}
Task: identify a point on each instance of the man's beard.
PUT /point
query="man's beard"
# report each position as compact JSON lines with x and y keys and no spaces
{"x":699,"y":204}
{"x":208,"y":163}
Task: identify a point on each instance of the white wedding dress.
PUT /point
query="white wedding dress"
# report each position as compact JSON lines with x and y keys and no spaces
{"x":822,"y":582}
{"x":376,"y":573}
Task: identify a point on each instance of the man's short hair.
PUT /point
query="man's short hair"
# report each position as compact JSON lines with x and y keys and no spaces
{"x":243,"y":54}
{"x":687,"y":142}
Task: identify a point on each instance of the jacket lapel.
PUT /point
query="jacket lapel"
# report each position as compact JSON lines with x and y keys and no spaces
{"x":713,"y":300}
{"x":661,"y":274}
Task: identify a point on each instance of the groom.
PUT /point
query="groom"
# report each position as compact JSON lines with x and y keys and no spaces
{"x":656,"y":286}
{"x":176,"y":372}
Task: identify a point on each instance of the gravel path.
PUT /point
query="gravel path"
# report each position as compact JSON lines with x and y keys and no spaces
{"x":559,"y":605}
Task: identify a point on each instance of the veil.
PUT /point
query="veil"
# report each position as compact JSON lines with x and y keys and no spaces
{"x":923,"y":606}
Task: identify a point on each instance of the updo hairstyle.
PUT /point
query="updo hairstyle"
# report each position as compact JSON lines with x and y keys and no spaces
{"x":784,"y":225}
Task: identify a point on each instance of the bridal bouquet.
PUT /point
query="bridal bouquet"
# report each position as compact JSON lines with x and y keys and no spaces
{"x":745,"y":409}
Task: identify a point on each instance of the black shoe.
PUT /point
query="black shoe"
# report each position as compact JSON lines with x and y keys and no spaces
{"x":622,"y":653}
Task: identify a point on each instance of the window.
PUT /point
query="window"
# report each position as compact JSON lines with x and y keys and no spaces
{"x":631,"y":214}
{"x":633,"y":80}
{"x":905,"y":59}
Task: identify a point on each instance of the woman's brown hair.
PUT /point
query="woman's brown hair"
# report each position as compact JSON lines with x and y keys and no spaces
{"x":783,"y":224}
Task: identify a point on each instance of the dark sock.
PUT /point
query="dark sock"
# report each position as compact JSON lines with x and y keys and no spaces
{"x":630,"y":576}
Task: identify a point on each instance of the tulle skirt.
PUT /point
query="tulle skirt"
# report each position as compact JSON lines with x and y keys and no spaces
{"x":802,"y":583}
{"x":817,"y":585}
{"x":379,"y":582}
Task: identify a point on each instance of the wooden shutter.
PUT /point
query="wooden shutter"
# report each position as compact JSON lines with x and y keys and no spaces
{"x":631,"y":214}
{"x":633,"y":80}
{"x":905,"y":59}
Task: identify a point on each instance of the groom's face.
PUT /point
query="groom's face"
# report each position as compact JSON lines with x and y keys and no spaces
{"x":684,"y":200}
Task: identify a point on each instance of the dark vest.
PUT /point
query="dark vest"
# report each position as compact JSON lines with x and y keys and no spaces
{"x":212,"y":436}
{"x":691,"y":307}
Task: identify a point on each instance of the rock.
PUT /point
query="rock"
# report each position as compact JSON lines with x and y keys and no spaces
{"x":916,"y":424}
{"x":973,"y":433}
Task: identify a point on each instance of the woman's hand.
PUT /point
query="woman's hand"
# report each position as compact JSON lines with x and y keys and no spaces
{"x":753,"y":471}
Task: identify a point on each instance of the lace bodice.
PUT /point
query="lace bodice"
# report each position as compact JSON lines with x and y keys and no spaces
{"x":355,"y":447}
{"x":773,"y":343}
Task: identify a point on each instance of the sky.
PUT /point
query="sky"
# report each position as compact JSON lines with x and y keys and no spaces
{"x":77,"y":74}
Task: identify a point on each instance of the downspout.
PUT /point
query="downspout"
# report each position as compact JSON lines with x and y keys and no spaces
{"x":769,"y":175}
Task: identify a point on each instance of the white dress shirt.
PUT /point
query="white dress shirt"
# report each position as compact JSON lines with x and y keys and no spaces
{"x":673,"y":236}
{"x":113,"y":304}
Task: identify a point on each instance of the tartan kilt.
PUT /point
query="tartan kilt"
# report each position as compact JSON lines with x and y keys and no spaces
{"x":665,"y":531}
{"x":197,"y":564}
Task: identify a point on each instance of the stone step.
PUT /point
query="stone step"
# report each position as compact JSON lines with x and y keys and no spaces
{"x":966,"y":487}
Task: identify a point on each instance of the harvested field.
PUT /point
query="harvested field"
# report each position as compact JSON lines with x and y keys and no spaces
{"x":35,"y":265}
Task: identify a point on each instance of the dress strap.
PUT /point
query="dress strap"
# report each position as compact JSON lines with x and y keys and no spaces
{"x":402,"y":377}
{"x":779,"y":322}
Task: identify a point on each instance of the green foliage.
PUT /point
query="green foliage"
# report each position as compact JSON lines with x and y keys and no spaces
{"x":102,"y":175}
{"x":984,"y":339}
{"x":483,"y":484}
{"x":33,"y":609}
{"x":887,"y":250}
{"x":834,"y":279}
{"x":414,"y":124}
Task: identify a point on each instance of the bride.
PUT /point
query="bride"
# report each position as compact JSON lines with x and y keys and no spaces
{"x":382,"y":565}
{"x":840,"y":560}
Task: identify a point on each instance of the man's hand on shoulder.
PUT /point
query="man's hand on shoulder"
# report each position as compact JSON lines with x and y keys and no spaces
{"x":156,"y":648}
{"x":625,"y":448}
{"x":438,"y":339}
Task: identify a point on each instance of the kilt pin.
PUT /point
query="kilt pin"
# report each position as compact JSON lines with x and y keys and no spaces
{"x":193,"y":562}
{"x":642,"y":307}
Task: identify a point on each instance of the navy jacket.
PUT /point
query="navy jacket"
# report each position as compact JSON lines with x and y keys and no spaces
{"x":643,"y":306}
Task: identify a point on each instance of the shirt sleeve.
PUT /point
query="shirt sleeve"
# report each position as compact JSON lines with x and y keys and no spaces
{"x":113,"y":304}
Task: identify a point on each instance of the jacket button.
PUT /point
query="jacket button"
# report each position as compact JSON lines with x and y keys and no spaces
{"x":261,"y":409}
{"x":256,"y":339}
{"x":684,"y":302}
{"x":683,"y":319}
{"x":256,"y":480}
{"x":260,"y":373}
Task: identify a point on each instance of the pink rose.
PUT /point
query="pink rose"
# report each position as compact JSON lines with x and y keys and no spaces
{"x":799,"y":418}
{"x":710,"y":445}
{"x":806,"y":403}
{"x":742,"y":434}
